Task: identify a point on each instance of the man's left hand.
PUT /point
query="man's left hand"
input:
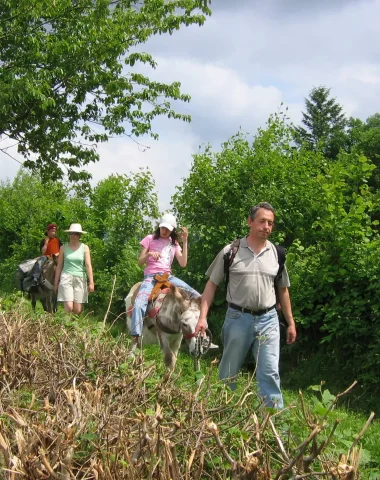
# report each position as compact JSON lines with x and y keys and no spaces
{"x":291,"y":334}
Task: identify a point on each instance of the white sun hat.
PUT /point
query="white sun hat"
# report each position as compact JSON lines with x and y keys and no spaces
{"x":168,"y":221}
{"x":75,"y":228}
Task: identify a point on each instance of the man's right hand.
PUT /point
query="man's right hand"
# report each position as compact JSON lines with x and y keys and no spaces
{"x":206,"y":300}
{"x":201,"y":326}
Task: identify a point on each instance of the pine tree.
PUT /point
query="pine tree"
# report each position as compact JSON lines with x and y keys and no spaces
{"x":324,"y":123}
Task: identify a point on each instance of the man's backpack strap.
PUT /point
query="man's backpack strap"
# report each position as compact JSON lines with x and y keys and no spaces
{"x":228,"y":258}
{"x":281,"y":257}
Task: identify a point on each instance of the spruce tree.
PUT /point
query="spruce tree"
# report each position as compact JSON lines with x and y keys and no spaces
{"x":324,"y":123}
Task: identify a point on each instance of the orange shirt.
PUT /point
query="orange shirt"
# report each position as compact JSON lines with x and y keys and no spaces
{"x":53,"y":246}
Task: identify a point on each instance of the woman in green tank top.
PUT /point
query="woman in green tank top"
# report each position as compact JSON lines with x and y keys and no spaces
{"x":73,"y":269}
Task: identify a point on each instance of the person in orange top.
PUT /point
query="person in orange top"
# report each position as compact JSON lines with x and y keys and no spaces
{"x":51,"y":244}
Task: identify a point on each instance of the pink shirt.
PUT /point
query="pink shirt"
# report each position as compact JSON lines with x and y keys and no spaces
{"x":167,"y":250}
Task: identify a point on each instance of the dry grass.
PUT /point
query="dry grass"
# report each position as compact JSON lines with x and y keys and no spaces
{"x":73,"y":406}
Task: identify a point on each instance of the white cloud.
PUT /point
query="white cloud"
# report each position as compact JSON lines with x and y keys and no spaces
{"x":168,"y":160}
{"x":240,"y":66}
{"x":10,"y":162}
{"x":222,"y":102}
{"x":219,"y":90}
{"x":368,"y":74}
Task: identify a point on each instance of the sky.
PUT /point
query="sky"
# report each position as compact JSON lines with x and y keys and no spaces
{"x":248,"y":58}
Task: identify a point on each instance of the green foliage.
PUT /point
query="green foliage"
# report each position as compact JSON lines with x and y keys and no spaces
{"x":243,"y":174}
{"x":325,"y":124}
{"x":336,"y":274}
{"x":68,"y":76}
{"x":115,"y":213}
{"x":325,"y":218}
{"x":324,"y":401}
{"x":118,"y":213}
{"x":364,"y":138}
{"x":26,"y":207}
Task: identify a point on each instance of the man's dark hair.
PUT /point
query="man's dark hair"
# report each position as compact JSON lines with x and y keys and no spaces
{"x":255,"y":208}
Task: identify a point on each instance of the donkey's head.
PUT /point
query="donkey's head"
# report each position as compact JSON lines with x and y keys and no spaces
{"x":189,"y":315}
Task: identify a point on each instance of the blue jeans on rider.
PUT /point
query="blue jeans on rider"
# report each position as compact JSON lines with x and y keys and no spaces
{"x":261,"y":333}
{"x":141,"y":301}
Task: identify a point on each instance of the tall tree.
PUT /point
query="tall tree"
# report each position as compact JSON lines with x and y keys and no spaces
{"x":227,"y":183}
{"x":364,"y":138}
{"x":324,"y":216}
{"x":66,"y":75}
{"x":119,"y":213}
{"x":324,"y":123}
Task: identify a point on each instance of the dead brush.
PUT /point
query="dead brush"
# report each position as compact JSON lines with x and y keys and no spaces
{"x":73,"y":405}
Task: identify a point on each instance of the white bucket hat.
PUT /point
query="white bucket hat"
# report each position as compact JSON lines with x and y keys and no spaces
{"x":75,"y":228}
{"x":168,"y":221}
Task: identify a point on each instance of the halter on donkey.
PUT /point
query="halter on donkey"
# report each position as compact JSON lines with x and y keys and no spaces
{"x":172,"y":314}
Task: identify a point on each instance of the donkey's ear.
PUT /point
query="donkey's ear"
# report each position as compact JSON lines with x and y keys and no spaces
{"x":176,"y":292}
{"x":197,"y":300}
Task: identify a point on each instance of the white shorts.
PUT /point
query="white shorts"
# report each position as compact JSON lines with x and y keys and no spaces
{"x":72,"y":289}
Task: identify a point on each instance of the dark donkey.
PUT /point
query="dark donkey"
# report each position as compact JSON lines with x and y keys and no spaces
{"x":44,"y":291}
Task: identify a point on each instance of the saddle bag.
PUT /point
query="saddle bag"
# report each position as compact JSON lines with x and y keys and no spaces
{"x":23,"y":276}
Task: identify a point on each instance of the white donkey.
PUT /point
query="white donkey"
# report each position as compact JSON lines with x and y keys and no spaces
{"x":176,"y":319}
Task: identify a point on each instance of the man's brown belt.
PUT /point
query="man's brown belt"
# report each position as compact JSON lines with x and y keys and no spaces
{"x":251,"y":312}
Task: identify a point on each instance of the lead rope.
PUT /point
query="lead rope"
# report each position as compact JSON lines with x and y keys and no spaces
{"x":202,"y":346}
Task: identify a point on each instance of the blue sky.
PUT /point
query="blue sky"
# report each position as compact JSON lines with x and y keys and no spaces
{"x":248,"y":58}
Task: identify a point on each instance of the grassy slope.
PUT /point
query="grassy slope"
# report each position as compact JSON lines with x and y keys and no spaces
{"x":69,"y":393}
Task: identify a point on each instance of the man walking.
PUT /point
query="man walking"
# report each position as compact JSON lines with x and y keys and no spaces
{"x":251,"y":320}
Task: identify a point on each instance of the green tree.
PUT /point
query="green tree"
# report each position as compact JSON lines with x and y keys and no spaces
{"x":119,"y":209}
{"x":324,"y":218}
{"x":324,"y":124}
{"x":116,"y":214}
{"x":335,"y":280}
{"x":67,"y":81}
{"x":26,"y":206}
{"x":364,"y":138}
{"x":215,"y":198}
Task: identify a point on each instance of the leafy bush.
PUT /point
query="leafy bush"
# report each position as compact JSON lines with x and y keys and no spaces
{"x":324,"y":216}
{"x":116,"y":213}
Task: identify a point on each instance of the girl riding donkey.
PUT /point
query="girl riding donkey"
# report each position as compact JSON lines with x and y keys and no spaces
{"x":158,"y":252}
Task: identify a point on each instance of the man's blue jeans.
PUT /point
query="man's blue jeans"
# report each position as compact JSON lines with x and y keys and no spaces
{"x":243,"y":331}
{"x":141,"y":301}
